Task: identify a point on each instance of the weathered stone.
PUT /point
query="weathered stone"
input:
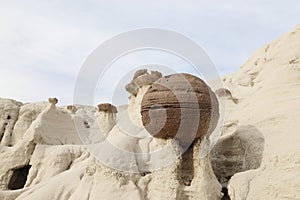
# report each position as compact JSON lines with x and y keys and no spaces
{"x":71,"y":108}
{"x":132,"y":89}
{"x":107,"y":107}
{"x":53,"y":100}
{"x":180,"y":106}
{"x":145,"y":79}
{"x":156,"y":73}
{"x":139,"y":72}
{"x":223,"y":92}
{"x":142,"y":78}
{"x":237,"y":152}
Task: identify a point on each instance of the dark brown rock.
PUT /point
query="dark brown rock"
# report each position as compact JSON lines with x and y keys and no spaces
{"x":142,"y":78}
{"x":107,"y":107}
{"x":180,"y":106}
{"x":71,"y":108}
{"x":156,"y":73}
{"x":145,"y":79}
{"x":53,"y":100}
{"x":139,"y":72}
{"x":187,"y":183}
{"x":132,"y":89}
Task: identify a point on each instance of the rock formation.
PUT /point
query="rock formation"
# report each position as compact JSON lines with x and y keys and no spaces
{"x":142,"y":78}
{"x":237,"y":152}
{"x":72,"y":109}
{"x":180,"y":106}
{"x":9,"y":111}
{"x":53,"y":100}
{"x":45,"y":150}
{"x":106,"y":117}
{"x":268,"y":89}
{"x":107,"y":108}
{"x":225,"y":93}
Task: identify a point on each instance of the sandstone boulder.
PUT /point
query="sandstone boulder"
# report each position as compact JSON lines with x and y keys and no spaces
{"x":180,"y":106}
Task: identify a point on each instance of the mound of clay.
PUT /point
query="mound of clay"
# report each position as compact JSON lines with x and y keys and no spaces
{"x":180,"y":106}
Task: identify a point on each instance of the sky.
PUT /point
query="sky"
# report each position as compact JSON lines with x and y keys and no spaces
{"x":43,"y":44}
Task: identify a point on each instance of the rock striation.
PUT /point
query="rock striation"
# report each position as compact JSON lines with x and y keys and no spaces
{"x":180,"y":106}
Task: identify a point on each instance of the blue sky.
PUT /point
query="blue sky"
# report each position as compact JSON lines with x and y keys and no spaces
{"x":44,"y":43}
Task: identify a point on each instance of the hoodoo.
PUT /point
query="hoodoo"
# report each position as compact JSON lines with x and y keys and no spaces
{"x":106,"y":117}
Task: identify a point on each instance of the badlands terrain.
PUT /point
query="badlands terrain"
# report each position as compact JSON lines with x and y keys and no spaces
{"x":257,"y":156}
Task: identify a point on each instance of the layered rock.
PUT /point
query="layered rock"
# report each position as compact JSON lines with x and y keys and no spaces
{"x":185,"y":101}
{"x":180,"y":106}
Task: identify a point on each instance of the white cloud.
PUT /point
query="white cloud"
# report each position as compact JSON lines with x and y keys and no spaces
{"x":43,"y":44}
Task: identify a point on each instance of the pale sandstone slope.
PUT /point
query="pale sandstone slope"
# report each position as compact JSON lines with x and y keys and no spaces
{"x":268,"y":91}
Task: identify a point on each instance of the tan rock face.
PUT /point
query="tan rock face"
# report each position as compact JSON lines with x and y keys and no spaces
{"x":107,"y":107}
{"x":180,"y":106}
{"x":9,"y":113}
